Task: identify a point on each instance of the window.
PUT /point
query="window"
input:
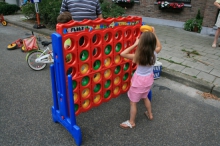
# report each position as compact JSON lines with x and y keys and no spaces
{"x":178,"y":1}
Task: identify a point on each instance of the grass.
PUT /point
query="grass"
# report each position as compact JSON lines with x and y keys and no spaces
{"x":192,"y":52}
{"x":171,"y":61}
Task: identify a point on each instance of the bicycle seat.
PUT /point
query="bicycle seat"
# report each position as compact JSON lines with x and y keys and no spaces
{"x":45,"y":43}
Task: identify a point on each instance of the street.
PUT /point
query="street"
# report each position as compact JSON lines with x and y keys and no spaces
{"x":181,"y":116}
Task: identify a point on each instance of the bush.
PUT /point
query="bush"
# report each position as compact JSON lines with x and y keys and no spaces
{"x":29,"y":10}
{"x":110,"y":9}
{"x":8,"y":9}
{"x":49,"y":10}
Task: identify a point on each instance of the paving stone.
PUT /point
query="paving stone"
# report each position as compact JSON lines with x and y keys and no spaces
{"x":167,"y":49}
{"x":201,"y":49}
{"x":187,"y":46}
{"x":217,"y":82}
{"x":202,"y":53}
{"x":190,"y":71}
{"x":215,"y":72}
{"x":164,"y":63}
{"x":179,"y":48}
{"x":202,"y":58}
{"x":213,"y":62}
{"x":174,"y":42}
{"x":190,"y":63}
{"x":177,"y":60}
{"x":212,"y":56}
{"x":205,"y":76}
{"x":176,"y":67}
{"x":205,"y":68}
{"x":178,"y":54}
{"x":165,"y":45}
{"x":217,"y":53}
{"x":216,"y":67}
{"x":165,"y":56}
{"x":190,"y":59}
{"x":210,"y":51}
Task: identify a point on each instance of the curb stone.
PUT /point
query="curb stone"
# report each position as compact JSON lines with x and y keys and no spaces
{"x":190,"y":81}
{"x":40,"y":31}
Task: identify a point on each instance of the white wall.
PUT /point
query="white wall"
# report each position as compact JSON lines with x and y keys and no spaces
{"x":16,"y":2}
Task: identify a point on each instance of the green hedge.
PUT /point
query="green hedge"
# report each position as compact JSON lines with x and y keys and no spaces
{"x":110,"y":9}
{"x":8,"y":9}
{"x":29,"y":10}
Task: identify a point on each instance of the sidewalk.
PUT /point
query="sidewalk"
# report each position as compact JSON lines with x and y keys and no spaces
{"x":187,"y":57}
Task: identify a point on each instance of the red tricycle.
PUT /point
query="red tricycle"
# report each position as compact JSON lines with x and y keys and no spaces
{"x":26,"y":44}
{"x":2,"y":20}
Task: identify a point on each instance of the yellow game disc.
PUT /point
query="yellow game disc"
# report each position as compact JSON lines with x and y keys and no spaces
{"x":146,"y":28}
{"x":75,"y":97}
{"x":96,"y":77}
{"x":107,"y":73}
{"x":116,"y":90}
{"x":85,"y":92}
{"x":117,"y":80}
{"x":107,"y":62}
{"x":117,"y":59}
{"x":124,"y":86}
{"x":86,"y":103}
{"x":84,"y":68}
{"x":97,"y":98}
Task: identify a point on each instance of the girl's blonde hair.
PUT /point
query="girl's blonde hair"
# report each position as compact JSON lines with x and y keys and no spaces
{"x":144,"y":54}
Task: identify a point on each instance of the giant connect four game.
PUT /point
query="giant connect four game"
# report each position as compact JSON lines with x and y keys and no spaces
{"x":88,"y":69}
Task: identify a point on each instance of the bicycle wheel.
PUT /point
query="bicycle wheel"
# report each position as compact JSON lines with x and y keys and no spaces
{"x":4,"y":23}
{"x":12,"y":46}
{"x":32,"y":56}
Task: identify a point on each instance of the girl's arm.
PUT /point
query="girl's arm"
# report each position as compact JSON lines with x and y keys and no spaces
{"x":217,"y":5}
{"x":126,"y":53}
{"x":158,"y":46}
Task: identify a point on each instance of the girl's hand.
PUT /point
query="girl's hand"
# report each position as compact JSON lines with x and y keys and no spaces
{"x":136,"y":42}
{"x":153,"y":30}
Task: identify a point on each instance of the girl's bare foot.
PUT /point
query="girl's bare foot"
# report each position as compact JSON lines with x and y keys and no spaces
{"x":149,"y":115}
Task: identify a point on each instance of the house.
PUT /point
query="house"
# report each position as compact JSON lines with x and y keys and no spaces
{"x":149,"y":10}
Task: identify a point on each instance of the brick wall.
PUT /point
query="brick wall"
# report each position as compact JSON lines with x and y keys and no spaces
{"x":210,"y":14}
{"x":148,"y":8}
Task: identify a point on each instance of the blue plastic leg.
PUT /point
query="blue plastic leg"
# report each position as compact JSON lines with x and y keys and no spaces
{"x":150,"y":95}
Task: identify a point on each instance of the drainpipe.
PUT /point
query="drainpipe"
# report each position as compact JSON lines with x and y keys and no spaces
{"x":18,"y":2}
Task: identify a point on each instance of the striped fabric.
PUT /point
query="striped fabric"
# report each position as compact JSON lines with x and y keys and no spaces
{"x":82,"y":9}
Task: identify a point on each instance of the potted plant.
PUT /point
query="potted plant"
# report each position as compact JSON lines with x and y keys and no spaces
{"x":194,"y":24}
{"x":170,"y":6}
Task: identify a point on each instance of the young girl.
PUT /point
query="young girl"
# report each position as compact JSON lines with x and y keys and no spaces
{"x":145,"y":56}
{"x":64,"y":17}
{"x":217,"y":33}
